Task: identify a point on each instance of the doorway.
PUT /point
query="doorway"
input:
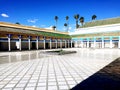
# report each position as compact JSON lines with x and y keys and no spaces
{"x":33,"y":45}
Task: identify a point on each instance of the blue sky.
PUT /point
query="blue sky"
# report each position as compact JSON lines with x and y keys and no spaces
{"x":40,"y":13}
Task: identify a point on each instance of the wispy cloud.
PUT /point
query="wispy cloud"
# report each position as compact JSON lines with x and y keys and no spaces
{"x":32,"y":20}
{"x":50,"y":27}
{"x":4,"y":15}
{"x":42,"y":25}
{"x":34,"y":26}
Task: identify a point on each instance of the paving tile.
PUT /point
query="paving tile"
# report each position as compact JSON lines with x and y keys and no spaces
{"x":52,"y":87}
{"x":9,"y":85}
{"x":51,"y":83}
{"x":31,"y":84}
{"x":30,"y":88}
{"x":21,"y":85}
{"x":63,"y":87}
{"x":41,"y":88}
{"x":18,"y":89}
{"x":42,"y":84}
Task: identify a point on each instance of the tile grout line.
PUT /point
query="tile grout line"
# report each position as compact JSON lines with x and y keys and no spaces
{"x":55,"y":72}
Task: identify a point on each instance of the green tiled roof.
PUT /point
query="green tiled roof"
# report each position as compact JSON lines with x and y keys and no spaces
{"x":101,"y":22}
{"x":50,"y":34}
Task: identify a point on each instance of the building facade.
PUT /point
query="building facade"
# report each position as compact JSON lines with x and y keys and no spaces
{"x":18,"y":37}
{"x":98,"y":34}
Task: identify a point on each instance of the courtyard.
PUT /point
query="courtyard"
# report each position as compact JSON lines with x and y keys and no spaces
{"x":39,"y":70}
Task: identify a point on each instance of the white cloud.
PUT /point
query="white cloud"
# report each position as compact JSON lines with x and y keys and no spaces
{"x":50,"y":27}
{"x":32,"y":20}
{"x":34,"y":26}
{"x":4,"y":15}
{"x":70,"y":28}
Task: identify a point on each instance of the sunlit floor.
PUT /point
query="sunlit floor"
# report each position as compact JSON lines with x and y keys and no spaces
{"x":37,"y":70}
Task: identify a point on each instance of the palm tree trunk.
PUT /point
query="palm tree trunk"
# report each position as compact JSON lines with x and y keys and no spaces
{"x":56,"y":24}
{"x":76,"y":24}
{"x":67,"y":26}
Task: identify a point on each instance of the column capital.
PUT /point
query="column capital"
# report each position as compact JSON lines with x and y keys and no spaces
{"x":9,"y":35}
{"x":111,"y":37}
{"x":20,"y":36}
{"x":37,"y":37}
{"x":29,"y":37}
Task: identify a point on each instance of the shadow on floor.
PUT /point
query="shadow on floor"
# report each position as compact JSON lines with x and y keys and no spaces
{"x":107,"y":78}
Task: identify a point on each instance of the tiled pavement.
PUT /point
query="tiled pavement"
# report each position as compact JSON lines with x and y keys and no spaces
{"x":36,"y":70}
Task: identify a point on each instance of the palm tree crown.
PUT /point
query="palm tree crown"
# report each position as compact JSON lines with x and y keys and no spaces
{"x":65,"y":24}
{"x":76,"y":17}
{"x":17,"y":23}
{"x":94,"y":17}
{"x":67,"y":17}
{"x":53,"y":27}
{"x":81,"y":20}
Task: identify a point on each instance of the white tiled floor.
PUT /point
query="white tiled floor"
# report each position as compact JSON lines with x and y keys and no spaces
{"x":36,"y":70}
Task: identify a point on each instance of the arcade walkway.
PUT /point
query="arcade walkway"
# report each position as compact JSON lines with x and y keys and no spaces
{"x":37,"y":70}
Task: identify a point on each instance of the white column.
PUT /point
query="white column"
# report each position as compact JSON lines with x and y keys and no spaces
{"x":44,"y":42}
{"x":103,"y":42}
{"x":76,"y":43}
{"x":71,"y":43}
{"x":68,"y":43}
{"x":20,"y":42}
{"x":94,"y":42}
{"x":37,"y":39}
{"x":87,"y":42}
{"x":60,"y":43}
{"x":9,"y":42}
{"x":65,"y":44}
{"x":81,"y":43}
{"x":56,"y":43}
{"x":50,"y":44}
{"x":110,"y":42}
{"x":119,"y":42}
{"x":29,"y":43}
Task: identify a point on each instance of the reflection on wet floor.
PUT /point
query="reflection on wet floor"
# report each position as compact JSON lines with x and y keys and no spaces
{"x":20,"y":56}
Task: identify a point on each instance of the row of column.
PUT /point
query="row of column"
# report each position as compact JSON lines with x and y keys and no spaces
{"x":102,"y":41}
{"x":37,"y":41}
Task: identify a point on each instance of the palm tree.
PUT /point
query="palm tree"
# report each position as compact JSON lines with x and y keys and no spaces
{"x":66,"y":26}
{"x":53,"y":27}
{"x":81,"y":20}
{"x":94,"y":17}
{"x":67,"y":17}
{"x":17,"y":23}
{"x":76,"y":17}
{"x":56,"y":19}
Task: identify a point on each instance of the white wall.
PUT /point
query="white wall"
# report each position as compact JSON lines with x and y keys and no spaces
{"x":97,"y":29}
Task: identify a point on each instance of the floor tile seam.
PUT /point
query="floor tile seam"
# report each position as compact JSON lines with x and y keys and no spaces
{"x":77,"y":66}
{"x":87,"y":68}
{"x":55,"y":72}
{"x":8,"y":69}
{"x":62,"y":73}
{"x":12,"y":70}
{"x":76,"y":72}
{"x":32,"y":73}
{"x":12,"y":78}
{"x":47,"y":74}
{"x":25,"y":74}
{"x":40,"y":74}
{"x":63,"y":59}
